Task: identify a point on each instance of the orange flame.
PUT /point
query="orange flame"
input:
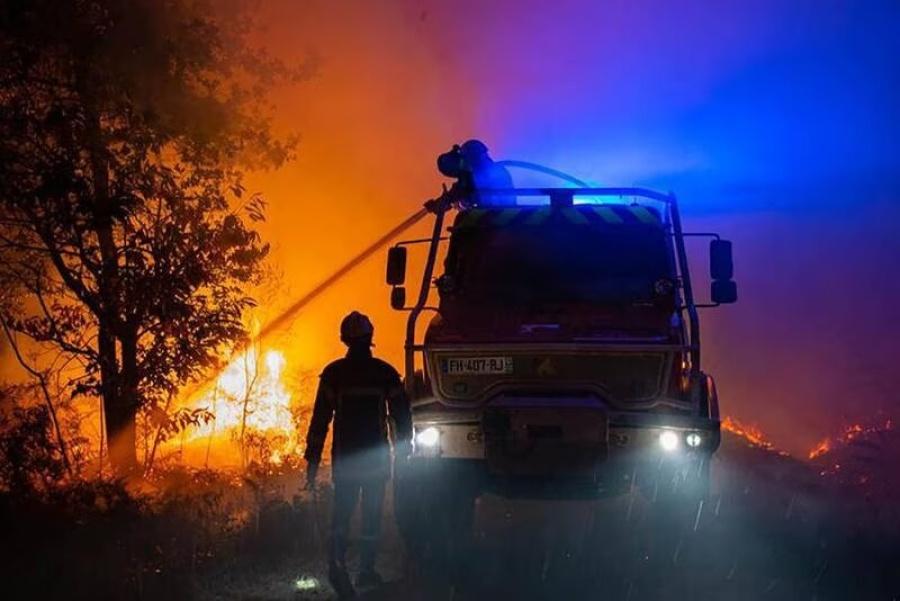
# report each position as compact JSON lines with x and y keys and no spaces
{"x":750,"y":433}
{"x":849,"y":433}
{"x":250,"y":397}
{"x":256,"y":383}
{"x":822,"y":447}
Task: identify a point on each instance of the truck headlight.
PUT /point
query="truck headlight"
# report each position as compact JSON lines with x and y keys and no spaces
{"x":693,"y":440}
{"x":428,"y":437}
{"x":668,"y":440}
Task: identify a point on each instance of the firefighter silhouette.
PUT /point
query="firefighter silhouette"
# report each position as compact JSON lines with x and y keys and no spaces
{"x":471,"y":164}
{"x":361,"y":394}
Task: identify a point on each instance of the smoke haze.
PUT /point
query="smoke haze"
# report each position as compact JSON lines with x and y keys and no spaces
{"x":776,"y":123}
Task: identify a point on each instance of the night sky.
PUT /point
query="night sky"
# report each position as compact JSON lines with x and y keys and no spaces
{"x":776,"y":123}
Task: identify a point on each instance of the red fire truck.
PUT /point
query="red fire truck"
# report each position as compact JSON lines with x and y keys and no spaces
{"x":562,"y":356}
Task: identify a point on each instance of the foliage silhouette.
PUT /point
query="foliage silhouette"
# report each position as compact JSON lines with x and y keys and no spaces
{"x":125,"y":130}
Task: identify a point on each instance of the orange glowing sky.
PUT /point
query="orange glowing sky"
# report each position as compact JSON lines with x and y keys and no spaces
{"x":369,"y":136}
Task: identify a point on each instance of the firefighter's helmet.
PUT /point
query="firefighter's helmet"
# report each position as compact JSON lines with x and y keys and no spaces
{"x":475,"y":157}
{"x":473,"y":148}
{"x":356,"y":327}
{"x":460,"y":161}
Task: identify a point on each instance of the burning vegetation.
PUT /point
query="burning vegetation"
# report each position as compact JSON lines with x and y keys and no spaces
{"x":862,"y":458}
{"x":847,"y":436}
{"x":253,"y":410}
{"x":749,"y":433}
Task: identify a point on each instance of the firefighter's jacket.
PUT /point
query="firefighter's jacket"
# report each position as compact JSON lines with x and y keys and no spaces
{"x":362,"y":394}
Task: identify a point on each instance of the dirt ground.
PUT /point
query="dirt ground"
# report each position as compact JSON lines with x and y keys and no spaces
{"x":772,"y":528}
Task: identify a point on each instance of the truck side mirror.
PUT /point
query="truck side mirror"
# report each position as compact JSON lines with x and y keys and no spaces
{"x":723,"y":292}
{"x":396,"y":266}
{"x":721,"y":266}
{"x":398,"y":298}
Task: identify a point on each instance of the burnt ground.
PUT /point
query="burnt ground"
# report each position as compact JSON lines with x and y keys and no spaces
{"x":774,"y":528}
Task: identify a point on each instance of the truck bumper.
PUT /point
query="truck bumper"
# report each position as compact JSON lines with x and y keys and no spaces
{"x":521,"y":450}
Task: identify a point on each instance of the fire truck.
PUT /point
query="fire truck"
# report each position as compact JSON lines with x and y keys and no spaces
{"x":553,"y":350}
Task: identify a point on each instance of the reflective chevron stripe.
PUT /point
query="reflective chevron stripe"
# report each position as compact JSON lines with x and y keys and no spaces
{"x":538,"y":216}
{"x":644,"y":214}
{"x":607,"y":214}
{"x":577,"y":215}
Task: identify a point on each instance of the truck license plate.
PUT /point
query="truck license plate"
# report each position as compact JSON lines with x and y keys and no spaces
{"x":477,"y":366}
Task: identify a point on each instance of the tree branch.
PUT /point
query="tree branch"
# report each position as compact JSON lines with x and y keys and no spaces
{"x":75,"y":284}
{"x":42,"y":381}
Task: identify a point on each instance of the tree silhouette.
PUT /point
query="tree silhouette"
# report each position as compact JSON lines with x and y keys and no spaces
{"x":125,"y":126}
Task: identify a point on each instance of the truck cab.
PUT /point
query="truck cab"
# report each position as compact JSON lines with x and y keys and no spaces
{"x":562,"y":357}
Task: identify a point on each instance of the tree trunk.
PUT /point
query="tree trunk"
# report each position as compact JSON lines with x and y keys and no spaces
{"x":121,"y":434}
{"x":119,"y":395}
{"x":120,"y":417}
{"x":129,"y":395}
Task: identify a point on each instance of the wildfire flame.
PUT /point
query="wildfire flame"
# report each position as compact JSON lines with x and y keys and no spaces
{"x":750,"y":433}
{"x":247,"y":379}
{"x":849,"y":433}
{"x":250,"y":397}
{"x":755,"y":436}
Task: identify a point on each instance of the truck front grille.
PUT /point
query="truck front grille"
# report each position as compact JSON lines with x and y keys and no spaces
{"x":620,"y":377}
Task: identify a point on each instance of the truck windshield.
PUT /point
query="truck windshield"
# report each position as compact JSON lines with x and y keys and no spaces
{"x":558,"y":264}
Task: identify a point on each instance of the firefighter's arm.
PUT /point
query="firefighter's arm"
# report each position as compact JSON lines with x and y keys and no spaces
{"x":323,"y":411}
{"x":401,"y":415}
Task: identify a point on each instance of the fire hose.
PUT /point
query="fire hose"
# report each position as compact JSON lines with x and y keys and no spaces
{"x":285,"y":316}
{"x":455,"y":194}
{"x":328,"y":282}
{"x":441,"y":203}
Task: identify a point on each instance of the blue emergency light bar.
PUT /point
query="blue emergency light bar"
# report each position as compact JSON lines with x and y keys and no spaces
{"x":565,"y":197}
